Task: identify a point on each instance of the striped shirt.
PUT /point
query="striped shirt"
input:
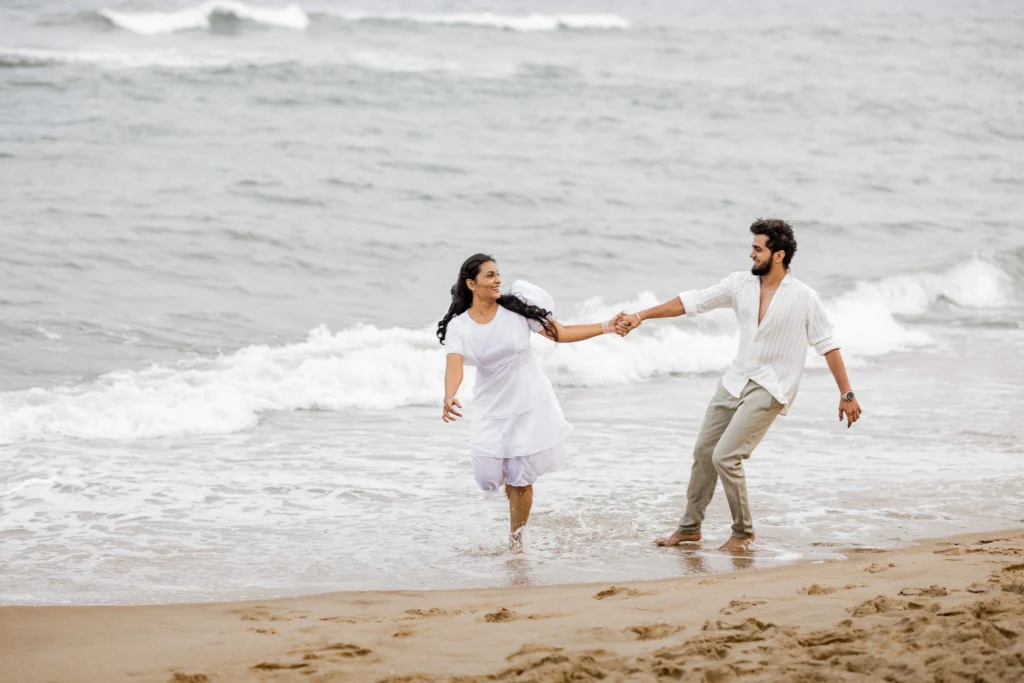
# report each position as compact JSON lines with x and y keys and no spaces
{"x":773,"y":353}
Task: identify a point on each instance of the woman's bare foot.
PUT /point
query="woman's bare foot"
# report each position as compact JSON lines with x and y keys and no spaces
{"x":734,"y":544}
{"x":515,"y":541}
{"x":676,"y":538}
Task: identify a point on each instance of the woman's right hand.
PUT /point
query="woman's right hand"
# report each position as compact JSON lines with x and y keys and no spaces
{"x":449,"y":413}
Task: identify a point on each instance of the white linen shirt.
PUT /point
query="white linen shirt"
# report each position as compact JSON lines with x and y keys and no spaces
{"x":773,"y":353}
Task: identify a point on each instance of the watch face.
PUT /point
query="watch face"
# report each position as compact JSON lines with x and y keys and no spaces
{"x":848,"y":396}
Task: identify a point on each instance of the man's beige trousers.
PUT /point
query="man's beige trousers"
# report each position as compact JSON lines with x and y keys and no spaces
{"x":731,"y":431}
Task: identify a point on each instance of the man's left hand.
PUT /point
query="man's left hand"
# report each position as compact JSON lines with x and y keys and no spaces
{"x":850,"y":410}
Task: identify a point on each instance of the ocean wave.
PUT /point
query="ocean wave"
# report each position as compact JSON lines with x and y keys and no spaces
{"x":397,"y":63}
{"x":364,"y":60}
{"x":32,"y":57}
{"x":368,"y":368}
{"x":977,"y":283}
{"x":201,"y":17}
{"x":383,"y":62}
{"x":527,"y":23}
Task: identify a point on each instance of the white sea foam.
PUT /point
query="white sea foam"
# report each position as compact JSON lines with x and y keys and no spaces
{"x":112,"y":59}
{"x":398,"y":63}
{"x":385,"y":62}
{"x":370,"y":368}
{"x":199,"y":17}
{"x":526,"y":23}
{"x":973,"y":284}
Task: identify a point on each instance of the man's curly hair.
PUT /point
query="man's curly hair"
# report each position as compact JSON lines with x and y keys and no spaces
{"x":779,"y":236}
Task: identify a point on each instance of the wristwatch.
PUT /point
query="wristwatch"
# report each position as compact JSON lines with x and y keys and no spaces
{"x":848,"y":396}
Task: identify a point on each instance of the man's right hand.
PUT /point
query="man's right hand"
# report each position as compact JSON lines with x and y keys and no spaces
{"x":449,"y":413}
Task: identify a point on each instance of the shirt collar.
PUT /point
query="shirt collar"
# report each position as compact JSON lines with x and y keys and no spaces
{"x":785,"y":280}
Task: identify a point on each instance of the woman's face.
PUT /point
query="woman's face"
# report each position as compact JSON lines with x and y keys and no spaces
{"x":487,"y":286}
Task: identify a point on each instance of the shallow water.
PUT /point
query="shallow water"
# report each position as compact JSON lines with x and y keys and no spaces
{"x":225,"y":246}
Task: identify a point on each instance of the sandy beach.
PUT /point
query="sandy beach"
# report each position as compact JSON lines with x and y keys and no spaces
{"x":943,"y":610}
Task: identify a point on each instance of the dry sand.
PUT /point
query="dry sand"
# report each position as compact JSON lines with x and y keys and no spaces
{"x":949,"y":610}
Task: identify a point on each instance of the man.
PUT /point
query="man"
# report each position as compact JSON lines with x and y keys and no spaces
{"x":779,"y":316}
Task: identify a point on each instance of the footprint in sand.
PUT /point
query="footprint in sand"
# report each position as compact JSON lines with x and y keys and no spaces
{"x":432,"y":612}
{"x":748,"y":625}
{"x":736,"y":606}
{"x":180,"y":677}
{"x":257,"y":614}
{"x":879,"y":605}
{"x":816,"y":589}
{"x":1011,"y":579}
{"x":350,"y":620}
{"x":1006,"y":552}
{"x":533,"y":649}
{"x":345,"y":650}
{"x":653,"y":631}
{"x":617,"y":590}
{"x":874,"y":567}
{"x":501,"y":616}
{"x":717,"y":638}
{"x":403,"y":632}
{"x":334,"y":650}
{"x":278,"y":666}
{"x":505,"y":614}
{"x":930,"y":592}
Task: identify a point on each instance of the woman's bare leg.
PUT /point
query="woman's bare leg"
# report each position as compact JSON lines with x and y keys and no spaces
{"x":520,"y":502}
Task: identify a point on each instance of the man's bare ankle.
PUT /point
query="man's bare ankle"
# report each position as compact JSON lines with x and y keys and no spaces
{"x":738,"y":543}
{"x":677,"y":537}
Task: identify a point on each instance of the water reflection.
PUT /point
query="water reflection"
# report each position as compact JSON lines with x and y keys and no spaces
{"x":519,"y":572}
{"x":695,"y":562}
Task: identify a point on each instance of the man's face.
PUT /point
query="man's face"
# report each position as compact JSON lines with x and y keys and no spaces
{"x":761,"y":255}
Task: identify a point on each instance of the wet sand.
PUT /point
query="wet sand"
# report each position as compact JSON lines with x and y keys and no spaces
{"x":943,"y":610}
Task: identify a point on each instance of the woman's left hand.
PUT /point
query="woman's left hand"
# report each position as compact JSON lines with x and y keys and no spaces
{"x":449,"y":413}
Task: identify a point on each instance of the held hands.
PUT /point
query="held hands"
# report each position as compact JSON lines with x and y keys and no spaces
{"x":626,"y":323}
{"x":449,"y":412}
{"x":850,"y":410}
{"x":613,"y":326}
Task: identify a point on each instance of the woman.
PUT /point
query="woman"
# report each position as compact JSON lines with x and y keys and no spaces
{"x":518,"y":431}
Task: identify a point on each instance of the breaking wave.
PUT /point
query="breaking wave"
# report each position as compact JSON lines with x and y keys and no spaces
{"x":366,"y":367}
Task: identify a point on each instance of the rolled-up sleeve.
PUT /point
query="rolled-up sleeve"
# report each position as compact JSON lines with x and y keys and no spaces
{"x":697,"y":301}
{"x":820,"y":333}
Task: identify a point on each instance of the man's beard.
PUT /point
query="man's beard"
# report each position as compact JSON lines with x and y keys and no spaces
{"x":762,"y":269}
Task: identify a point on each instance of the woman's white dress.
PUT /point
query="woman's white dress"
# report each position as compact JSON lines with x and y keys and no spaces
{"x":517,"y":430}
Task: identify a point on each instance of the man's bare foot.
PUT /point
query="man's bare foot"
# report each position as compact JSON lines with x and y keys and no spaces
{"x":676,"y":538}
{"x":734,"y":544}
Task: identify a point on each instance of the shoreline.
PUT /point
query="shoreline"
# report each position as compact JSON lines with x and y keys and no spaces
{"x":952,"y":605}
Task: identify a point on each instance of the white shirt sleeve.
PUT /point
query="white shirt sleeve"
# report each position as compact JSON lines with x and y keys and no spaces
{"x":696,"y":301}
{"x":453,"y":342}
{"x":820,"y":333}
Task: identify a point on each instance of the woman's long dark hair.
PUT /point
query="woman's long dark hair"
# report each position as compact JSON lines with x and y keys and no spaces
{"x":462,"y":299}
